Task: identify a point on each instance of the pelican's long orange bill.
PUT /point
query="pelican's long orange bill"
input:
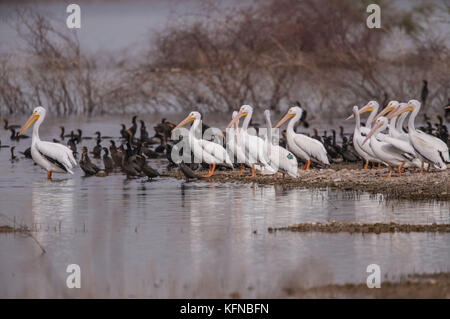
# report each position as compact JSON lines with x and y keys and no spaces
{"x":374,"y":129}
{"x":184,"y":122}
{"x":236,"y":118}
{"x":400,"y":111}
{"x":284,"y":119}
{"x":33,"y":118}
{"x":387,"y":109}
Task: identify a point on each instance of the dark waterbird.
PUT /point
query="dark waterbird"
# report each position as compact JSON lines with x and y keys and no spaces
{"x":187,"y":171}
{"x":116,"y":156}
{"x":27,"y":153}
{"x":13,"y":157}
{"x":97,"y":151}
{"x":107,"y":161}
{"x":15,"y":136}
{"x":424,"y":93}
{"x":6,"y":126}
{"x":86,"y":165}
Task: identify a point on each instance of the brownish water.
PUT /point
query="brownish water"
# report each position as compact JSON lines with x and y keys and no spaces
{"x":169,"y":238}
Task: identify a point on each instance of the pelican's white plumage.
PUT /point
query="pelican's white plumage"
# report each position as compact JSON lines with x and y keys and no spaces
{"x":387,"y":152}
{"x":234,"y":143}
{"x":302,"y":146}
{"x":53,"y":157}
{"x":430,"y":149}
{"x":363,"y":149}
{"x":279,"y":157}
{"x":252,"y":145}
{"x":203,"y":150}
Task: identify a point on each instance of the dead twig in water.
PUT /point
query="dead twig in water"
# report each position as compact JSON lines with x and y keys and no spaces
{"x":23,"y":229}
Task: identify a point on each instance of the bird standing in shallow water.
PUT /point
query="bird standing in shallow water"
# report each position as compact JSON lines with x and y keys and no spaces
{"x":7,"y":126}
{"x":107,"y":161}
{"x":53,"y":157}
{"x":13,"y":157}
{"x":86,"y":165}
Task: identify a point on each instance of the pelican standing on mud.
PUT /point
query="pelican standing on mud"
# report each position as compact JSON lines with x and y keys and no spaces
{"x":302,"y":146}
{"x":277,"y":156}
{"x":209,"y":152}
{"x":429,"y":148}
{"x":53,"y":157}
{"x":252,"y":145}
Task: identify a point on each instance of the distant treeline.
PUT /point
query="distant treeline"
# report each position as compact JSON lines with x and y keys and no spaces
{"x":272,"y":53}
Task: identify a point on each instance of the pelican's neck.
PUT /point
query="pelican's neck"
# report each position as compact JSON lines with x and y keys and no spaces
{"x":399,"y":125}
{"x":372,"y":116}
{"x":238,"y":136}
{"x":392,"y":126}
{"x":358,"y":122}
{"x":247,"y":120}
{"x":412,"y":118}
{"x":269,"y":133}
{"x":291,"y":124}
{"x":35,"y":137}
{"x":194,"y":127}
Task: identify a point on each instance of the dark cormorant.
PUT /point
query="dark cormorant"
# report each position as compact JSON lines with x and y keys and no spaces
{"x":86,"y":165}
{"x":107,"y":161}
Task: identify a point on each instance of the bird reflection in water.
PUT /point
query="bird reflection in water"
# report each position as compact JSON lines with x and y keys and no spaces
{"x":52,"y":203}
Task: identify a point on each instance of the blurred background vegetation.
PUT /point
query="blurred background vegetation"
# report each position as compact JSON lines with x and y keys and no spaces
{"x":266,"y":53}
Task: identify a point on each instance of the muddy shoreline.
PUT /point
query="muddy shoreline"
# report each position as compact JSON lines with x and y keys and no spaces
{"x":363,"y":228}
{"x":412,"y":185}
{"x":414,"y":286}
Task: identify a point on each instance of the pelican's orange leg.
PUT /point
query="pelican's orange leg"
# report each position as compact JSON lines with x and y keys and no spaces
{"x":253,"y":170}
{"x":421,"y":168}
{"x":242,"y":169}
{"x":379,"y":165}
{"x":49,"y":175}
{"x":211,"y":170}
{"x":390,"y":172}
{"x":308,"y":163}
{"x":400,"y":168}
{"x":366,"y":165}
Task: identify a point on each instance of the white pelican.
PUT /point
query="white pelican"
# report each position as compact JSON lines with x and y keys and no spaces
{"x":234,"y":143}
{"x":397,"y":137}
{"x":53,"y":157}
{"x":302,"y":146}
{"x":279,"y":157}
{"x":385,"y":151}
{"x":430,"y":149}
{"x":363,"y":149}
{"x":371,"y":107}
{"x":252,"y":145}
{"x":209,"y":152}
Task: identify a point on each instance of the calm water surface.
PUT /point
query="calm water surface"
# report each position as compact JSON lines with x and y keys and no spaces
{"x":170,"y":238}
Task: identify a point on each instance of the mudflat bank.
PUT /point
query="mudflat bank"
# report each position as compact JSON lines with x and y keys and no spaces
{"x":433,"y":185}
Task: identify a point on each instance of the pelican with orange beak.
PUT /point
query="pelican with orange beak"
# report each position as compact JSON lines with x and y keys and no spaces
{"x":371,"y":107}
{"x":363,"y":150}
{"x":386,"y":152}
{"x":53,"y":157}
{"x":252,"y":145}
{"x":206,"y":151}
{"x":429,"y":149}
{"x":302,"y":146}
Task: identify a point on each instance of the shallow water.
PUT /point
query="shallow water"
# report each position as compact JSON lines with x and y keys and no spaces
{"x":170,"y":238}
